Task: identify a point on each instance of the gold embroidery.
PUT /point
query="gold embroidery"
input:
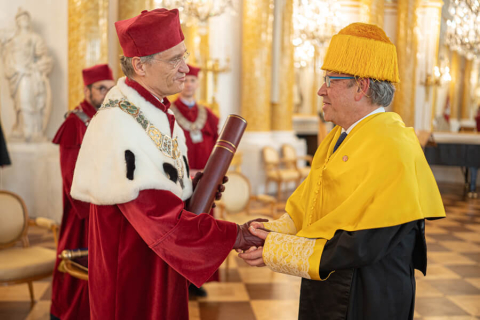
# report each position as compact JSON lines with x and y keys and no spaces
{"x":288,"y":254}
{"x":196,"y":125}
{"x":284,"y":224}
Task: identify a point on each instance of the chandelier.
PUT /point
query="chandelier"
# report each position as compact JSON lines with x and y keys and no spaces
{"x":314,"y":23}
{"x":197,"y":11}
{"x":463,"y":29}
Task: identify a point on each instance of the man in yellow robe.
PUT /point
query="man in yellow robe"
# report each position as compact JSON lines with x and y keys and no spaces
{"x":354,"y":230}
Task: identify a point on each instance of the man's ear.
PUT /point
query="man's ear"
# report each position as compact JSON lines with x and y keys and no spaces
{"x":138,"y":66}
{"x":363,"y":84}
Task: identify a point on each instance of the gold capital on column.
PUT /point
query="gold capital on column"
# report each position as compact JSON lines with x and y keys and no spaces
{"x":87,"y":42}
{"x":282,"y":112}
{"x":257,"y":63}
{"x":404,"y":101}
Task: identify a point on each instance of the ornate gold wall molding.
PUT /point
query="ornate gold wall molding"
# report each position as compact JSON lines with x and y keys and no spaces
{"x":282,"y":113}
{"x":404,"y":101}
{"x":466,"y":105}
{"x":87,"y":42}
{"x":454,"y":91}
{"x":257,"y":63}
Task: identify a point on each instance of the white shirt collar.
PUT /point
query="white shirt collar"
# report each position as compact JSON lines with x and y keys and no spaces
{"x":378,"y":110}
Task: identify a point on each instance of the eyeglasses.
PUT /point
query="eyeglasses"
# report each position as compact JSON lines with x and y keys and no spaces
{"x":102,"y":89}
{"x":329,"y":78}
{"x":175,"y":63}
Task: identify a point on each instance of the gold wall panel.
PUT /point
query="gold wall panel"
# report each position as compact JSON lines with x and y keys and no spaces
{"x":87,"y":42}
{"x":256,"y":78}
{"x":373,"y":11}
{"x":466,"y":105}
{"x":282,"y":113}
{"x":404,"y":101}
{"x":454,"y":91}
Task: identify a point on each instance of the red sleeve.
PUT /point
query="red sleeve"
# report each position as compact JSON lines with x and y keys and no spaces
{"x":194,"y":245}
{"x":71,"y":132}
{"x":68,"y":159}
{"x":69,"y":136}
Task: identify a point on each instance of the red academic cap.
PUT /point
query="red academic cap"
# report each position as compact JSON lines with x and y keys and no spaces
{"x":193,"y":71}
{"x":150,"y":32}
{"x":96,"y":73}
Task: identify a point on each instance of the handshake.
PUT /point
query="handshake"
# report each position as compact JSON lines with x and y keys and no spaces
{"x":246,"y":237}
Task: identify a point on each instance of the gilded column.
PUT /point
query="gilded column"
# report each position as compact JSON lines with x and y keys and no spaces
{"x":282,"y":112}
{"x":128,"y":9}
{"x":87,"y":42}
{"x":373,"y":11}
{"x":204,"y":59}
{"x":454,"y":91}
{"x":404,"y":101}
{"x":466,"y":106}
{"x":256,"y":63}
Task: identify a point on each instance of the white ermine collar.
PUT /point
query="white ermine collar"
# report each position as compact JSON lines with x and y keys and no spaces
{"x":105,"y":173}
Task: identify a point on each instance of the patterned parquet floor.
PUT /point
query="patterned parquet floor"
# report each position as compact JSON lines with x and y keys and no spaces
{"x":451,"y":289}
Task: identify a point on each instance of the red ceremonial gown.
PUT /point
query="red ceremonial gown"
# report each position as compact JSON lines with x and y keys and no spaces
{"x":198,"y":153}
{"x":69,"y":294}
{"x":144,"y":253}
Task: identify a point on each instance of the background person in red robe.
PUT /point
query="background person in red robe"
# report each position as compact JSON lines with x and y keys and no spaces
{"x":200,"y":126}
{"x":144,"y":247}
{"x":198,"y":122}
{"x":69,"y":294}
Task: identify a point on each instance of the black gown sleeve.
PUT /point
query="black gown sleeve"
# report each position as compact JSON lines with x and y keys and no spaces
{"x":365,"y":247}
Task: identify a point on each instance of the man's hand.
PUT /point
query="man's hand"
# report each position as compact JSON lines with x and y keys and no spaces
{"x":246,"y":239}
{"x":256,"y":223}
{"x":221,"y":187}
{"x":253,"y":257}
{"x":195,"y":179}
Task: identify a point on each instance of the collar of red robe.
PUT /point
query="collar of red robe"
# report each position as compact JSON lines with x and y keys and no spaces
{"x":184,"y":109}
{"x":148,"y":96}
{"x":88,"y":109}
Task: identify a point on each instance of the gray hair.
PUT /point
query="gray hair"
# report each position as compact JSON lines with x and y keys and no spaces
{"x":127,"y":67}
{"x":380,"y":92}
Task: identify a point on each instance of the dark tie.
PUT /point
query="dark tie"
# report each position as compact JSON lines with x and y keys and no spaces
{"x":339,"y":141}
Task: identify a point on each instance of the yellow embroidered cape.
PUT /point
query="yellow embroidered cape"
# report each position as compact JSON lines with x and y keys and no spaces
{"x":377,"y":178}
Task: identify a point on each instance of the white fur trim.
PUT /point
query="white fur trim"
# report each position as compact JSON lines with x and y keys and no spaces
{"x":100,"y":171}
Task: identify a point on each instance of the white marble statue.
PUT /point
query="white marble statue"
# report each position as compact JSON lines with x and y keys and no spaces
{"x":27,"y":64}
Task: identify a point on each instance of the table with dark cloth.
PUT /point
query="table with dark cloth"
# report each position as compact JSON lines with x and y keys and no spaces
{"x":457,"y":149}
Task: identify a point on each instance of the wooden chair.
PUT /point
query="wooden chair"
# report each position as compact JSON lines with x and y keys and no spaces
{"x":276,"y":171}
{"x":238,"y":195}
{"x":467,"y":129}
{"x":290,"y":158}
{"x":21,"y":264}
{"x":236,"y":164}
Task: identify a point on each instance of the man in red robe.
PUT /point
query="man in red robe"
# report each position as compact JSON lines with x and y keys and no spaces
{"x":200,"y":126}
{"x":70,"y":295}
{"x":198,"y":122}
{"x":144,"y":247}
